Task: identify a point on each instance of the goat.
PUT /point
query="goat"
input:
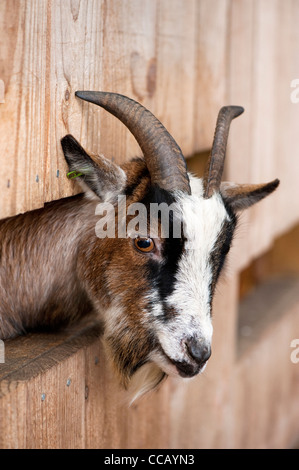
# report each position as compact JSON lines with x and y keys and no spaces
{"x":153,"y":294}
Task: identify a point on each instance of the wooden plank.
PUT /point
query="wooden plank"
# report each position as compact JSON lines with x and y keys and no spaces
{"x":13,"y":423}
{"x":264,"y":136}
{"x":266,"y":304}
{"x":200,"y":412}
{"x":55,"y":406}
{"x":45,"y":411}
{"x":27,"y":356}
{"x":48,"y":388}
{"x":2,"y":92}
{"x":128,"y":66}
{"x":144,"y":59}
{"x":240,"y":59}
{"x":280,"y":260}
{"x":175,"y":76}
{"x":264,"y":133}
{"x":103,"y":420}
{"x":251,"y":145}
{"x":148,"y":421}
{"x":266,"y":387}
{"x":109,"y":422}
{"x":22,"y":67}
{"x":287,"y":117}
{"x":75,"y":402}
{"x":58,"y":391}
{"x":55,"y":48}
{"x":73,"y":37}
{"x":210,"y":73}
{"x":239,"y":62}
{"x":39,"y":407}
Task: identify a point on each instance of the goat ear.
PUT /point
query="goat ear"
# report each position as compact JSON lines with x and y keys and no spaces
{"x":103,"y":177}
{"x":242,"y":196}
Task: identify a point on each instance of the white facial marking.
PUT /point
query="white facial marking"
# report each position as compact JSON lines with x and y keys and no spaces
{"x":203,"y":220}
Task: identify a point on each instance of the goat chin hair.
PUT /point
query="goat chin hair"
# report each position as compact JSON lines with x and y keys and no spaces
{"x":145,"y":379}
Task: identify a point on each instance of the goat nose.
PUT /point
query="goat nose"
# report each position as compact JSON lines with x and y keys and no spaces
{"x":198,"y":350}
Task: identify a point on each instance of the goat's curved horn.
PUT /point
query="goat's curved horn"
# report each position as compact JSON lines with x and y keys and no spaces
{"x":214,"y":168}
{"x":164,"y":158}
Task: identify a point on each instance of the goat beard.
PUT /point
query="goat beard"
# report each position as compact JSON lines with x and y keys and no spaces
{"x":145,"y":378}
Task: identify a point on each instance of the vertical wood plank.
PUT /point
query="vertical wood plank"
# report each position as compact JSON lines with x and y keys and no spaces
{"x":103,"y":413}
{"x":287,"y":117}
{"x":175,"y":49}
{"x":74,"y":45}
{"x":13,"y":429}
{"x":210,"y":73}
{"x":55,"y":407}
{"x":266,"y":25}
{"x":148,"y":422}
{"x":128,"y":67}
{"x":109,"y":422}
{"x":252,"y":146}
{"x":238,"y":166}
{"x":265,"y":391}
{"x":240,"y":60}
{"x":200,"y":408}
{"x":22,"y":67}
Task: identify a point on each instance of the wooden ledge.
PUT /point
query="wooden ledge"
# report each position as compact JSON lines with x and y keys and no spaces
{"x":58,"y":391}
{"x":263,"y":307}
{"x":30,"y":355}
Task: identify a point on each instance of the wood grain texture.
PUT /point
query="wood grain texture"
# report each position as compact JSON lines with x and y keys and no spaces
{"x":54,"y":48}
{"x":110,"y":423}
{"x":182,"y":59}
{"x":262,"y":146}
{"x":266,"y":387}
{"x":175,"y":46}
{"x":200,"y":408}
{"x":211,"y":77}
{"x":57,"y":391}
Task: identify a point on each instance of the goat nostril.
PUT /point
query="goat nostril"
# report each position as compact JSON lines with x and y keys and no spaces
{"x":198,"y":350}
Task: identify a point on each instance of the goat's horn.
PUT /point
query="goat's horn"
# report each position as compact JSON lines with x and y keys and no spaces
{"x":214,"y":168}
{"x":164,"y":158}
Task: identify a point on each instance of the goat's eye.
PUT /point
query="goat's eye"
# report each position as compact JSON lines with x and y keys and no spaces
{"x":144,"y":244}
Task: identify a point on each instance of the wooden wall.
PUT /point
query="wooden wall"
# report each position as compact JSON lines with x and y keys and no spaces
{"x":183,"y":59}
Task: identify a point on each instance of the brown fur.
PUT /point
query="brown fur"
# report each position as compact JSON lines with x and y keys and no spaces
{"x":102,"y":264}
{"x":54,"y":270}
{"x":39,"y":286}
